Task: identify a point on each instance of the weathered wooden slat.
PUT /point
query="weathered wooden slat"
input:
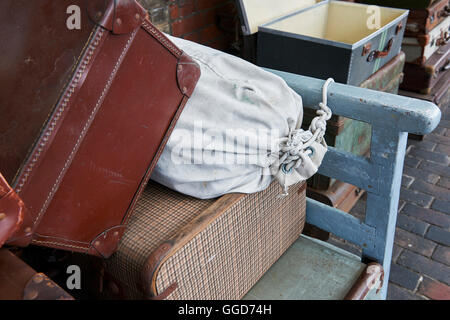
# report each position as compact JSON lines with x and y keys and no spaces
{"x":309,"y":270}
{"x":381,"y":210}
{"x":386,"y":110}
{"x":361,"y":173}
{"x":339,"y":223}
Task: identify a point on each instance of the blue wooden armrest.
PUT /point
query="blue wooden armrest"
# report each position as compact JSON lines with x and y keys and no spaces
{"x":392,"y":117}
{"x":398,"y":113}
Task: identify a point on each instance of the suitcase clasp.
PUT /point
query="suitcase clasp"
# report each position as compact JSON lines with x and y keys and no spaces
{"x":381,"y":54}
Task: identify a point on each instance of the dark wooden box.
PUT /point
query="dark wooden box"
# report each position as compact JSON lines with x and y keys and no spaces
{"x":324,"y":39}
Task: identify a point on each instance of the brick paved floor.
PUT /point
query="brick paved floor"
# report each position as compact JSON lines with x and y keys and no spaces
{"x":421,"y":259}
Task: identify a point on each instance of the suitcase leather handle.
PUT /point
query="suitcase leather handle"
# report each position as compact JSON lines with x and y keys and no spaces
{"x":117,"y":16}
{"x":381,"y":54}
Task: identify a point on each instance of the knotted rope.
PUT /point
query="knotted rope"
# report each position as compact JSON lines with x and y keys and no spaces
{"x":297,"y":145}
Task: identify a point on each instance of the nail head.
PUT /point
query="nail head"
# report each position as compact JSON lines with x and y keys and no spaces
{"x":38,"y":278}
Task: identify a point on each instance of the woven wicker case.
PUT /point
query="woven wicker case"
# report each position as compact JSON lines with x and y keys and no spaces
{"x":178,"y":247}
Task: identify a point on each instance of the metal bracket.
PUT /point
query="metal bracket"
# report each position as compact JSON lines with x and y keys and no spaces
{"x":41,"y":287}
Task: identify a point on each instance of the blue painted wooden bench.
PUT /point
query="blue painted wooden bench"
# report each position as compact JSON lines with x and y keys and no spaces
{"x":330,"y":271}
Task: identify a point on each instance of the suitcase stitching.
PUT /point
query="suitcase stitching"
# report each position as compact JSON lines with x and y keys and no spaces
{"x":65,"y":101}
{"x":59,"y":244}
{"x":160,"y":37}
{"x":61,"y":109}
{"x":86,"y":127}
{"x":53,"y":238}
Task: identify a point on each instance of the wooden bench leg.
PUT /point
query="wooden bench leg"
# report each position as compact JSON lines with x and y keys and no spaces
{"x":382,"y":207}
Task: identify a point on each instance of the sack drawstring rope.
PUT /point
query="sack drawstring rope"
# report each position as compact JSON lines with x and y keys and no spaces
{"x":297,"y":146}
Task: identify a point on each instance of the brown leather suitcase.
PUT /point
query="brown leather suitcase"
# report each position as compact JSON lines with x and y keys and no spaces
{"x":90,"y":94}
{"x":182,"y":248}
{"x":423,"y":15}
{"x":422,"y":78}
{"x":19,"y":281}
{"x":441,"y":91}
{"x":422,"y":21}
{"x":420,"y":48}
{"x":439,"y":95}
